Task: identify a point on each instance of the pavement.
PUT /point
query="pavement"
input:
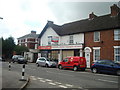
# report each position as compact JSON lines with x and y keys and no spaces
{"x":12,"y":80}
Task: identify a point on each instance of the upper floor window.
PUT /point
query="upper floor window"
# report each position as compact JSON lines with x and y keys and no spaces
{"x":96,"y":36}
{"x":71,"y":40}
{"x":49,"y":40}
{"x":117,"y":34}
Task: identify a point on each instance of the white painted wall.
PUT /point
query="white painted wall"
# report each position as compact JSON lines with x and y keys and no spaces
{"x":78,"y":38}
{"x":44,"y":38}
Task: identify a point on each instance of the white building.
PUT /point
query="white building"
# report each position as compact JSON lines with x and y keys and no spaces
{"x":56,"y":43}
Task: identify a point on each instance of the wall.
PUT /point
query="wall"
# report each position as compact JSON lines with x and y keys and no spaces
{"x":78,"y":38}
{"x":44,"y":38}
{"x":107,"y":49}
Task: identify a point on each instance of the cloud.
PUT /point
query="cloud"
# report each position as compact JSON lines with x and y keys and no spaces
{"x":22,"y":16}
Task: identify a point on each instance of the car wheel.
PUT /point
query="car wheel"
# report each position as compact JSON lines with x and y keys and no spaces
{"x":60,"y":67}
{"x":46,"y":65}
{"x":75,"y":68}
{"x":94,"y":70}
{"x":37,"y":64}
{"x":118,"y":72}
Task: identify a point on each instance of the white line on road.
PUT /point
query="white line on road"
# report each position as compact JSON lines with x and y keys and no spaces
{"x":42,"y":81}
{"x":69,"y":85}
{"x":40,"y":78}
{"x":48,"y":80}
{"x":58,"y":83}
{"x":107,"y":81}
{"x":105,"y":75}
{"x":62,"y":86}
{"x":52,"y":83}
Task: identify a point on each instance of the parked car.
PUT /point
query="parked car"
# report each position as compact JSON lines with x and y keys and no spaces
{"x":42,"y":61}
{"x":105,"y":66}
{"x":75,"y":63}
{"x":19,"y":59}
{"x":2,"y":59}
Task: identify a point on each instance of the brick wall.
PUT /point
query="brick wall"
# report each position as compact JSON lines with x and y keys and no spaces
{"x":106,"y":43}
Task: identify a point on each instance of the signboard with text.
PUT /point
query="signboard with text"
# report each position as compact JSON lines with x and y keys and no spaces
{"x":61,"y":47}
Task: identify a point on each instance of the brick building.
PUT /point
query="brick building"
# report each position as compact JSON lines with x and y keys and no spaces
{"x":103,"y":40}
{"x":31,"y":41}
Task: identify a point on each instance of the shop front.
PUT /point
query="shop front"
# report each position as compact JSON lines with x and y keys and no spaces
{"x":61,"y":51}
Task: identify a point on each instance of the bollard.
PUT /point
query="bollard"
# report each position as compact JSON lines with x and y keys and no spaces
{"x":23,"y":73}
{"x":9,"y":66}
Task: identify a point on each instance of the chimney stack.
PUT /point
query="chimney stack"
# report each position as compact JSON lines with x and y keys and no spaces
{"x":114,"y":10}
{"x":33,"y":32}
{"x":92,"y":15}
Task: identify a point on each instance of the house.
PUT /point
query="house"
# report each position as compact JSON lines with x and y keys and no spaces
{"x":102,"y":38}
{"x":31,"y":41}
{"x":57,"y":43}
{"x":97,"y":37}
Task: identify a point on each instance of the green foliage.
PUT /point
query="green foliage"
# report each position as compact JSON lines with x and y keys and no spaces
{"x":8,"y":47}
{"x":20,"y":49}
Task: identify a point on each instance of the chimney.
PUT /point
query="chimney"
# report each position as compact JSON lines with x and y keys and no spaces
{"x":33,"y":32}
{"x":50,"y":22}
{"x":92,"y":15}
{"x":114,"y":10}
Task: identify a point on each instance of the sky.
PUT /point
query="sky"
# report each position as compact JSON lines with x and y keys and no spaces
{"x":22,"y":16}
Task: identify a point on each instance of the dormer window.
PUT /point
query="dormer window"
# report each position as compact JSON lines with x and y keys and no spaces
{"x":96,"y":36}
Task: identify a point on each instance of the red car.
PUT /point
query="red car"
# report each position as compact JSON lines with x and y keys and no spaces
{"x":74,"y":63}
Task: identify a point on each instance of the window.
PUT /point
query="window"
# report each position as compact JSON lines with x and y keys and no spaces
{"x":96,"y":36}
{"x":65,"y":60}
{"x":117,"y":53}
{"x":117,"y":34}
{"x":71,"y":40}
{"x":96,"y":54}
{"x":49,"y":40}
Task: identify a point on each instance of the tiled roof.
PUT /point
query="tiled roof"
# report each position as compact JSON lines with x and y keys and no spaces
{"x":105,"y":22}
{"x":31,"y":35}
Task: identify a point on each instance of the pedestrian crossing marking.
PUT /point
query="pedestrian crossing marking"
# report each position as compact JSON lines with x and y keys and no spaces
{"x":51,"y":82}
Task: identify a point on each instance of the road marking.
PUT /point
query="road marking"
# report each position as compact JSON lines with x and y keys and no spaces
{"x":107,"y":81}
{"x":62,"y":86}
{"x":69,"y":85}
{"x":40,"y":78}
{"x":105,"y":75}
{"x":52,"y":83}
{"x":42,"y":81}
{"x":58,"y":83}
{"x":48,"y":80}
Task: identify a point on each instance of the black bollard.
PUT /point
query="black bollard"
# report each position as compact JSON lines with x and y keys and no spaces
{"x":23,"y":73}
